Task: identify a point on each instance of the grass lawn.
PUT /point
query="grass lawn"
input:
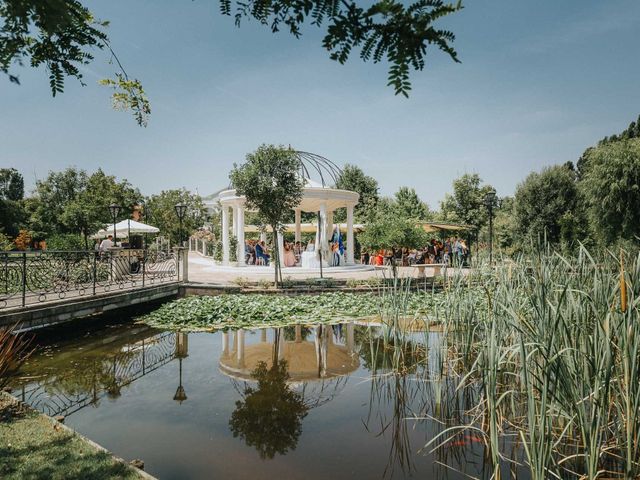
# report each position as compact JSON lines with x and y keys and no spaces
{"x":34,"y":447}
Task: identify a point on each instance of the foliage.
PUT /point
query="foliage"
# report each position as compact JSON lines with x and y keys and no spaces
{"x":13,"y":352}
{"x":407,"y":204}
{"x":270,"y":182}
{"x":5,"y":243}
{"x":269,"y":417}
{"x":60,"y":35}
{"x":65,"y":241}
{"x":354,"y":179}
{"x":12,"y":213}
{"x":23,"y":240}
{"x":547,"y":205}
{"x":386,"y":31}
{"x":160,"y":212}
{"x":466,"y":204}
{"x":257,"y":310}
{"x":632,"y":131}
{"x":610,"y":186}
{"x":392,"y":232}
{"x":129,"y":95}
{"x":72,"y":201}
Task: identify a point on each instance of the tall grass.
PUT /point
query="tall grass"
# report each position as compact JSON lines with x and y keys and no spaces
{"x":556,"y":356}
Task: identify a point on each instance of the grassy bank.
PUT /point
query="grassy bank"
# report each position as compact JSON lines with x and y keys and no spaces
{"x":34,"y":447}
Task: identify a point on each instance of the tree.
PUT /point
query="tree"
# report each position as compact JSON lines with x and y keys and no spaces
{"x":466,"y":205}
{"x":73,"y":202}
{"x":161,"y":213}
{"x":354,"y":179}
{"x":392,"y":232}
{"x":12,"y":213}
{"x":270,"y":182}
{"x":611,"y":189}
{"x":547,"y":205}
{"x":407,"y":204}
{"x":62,"y":34}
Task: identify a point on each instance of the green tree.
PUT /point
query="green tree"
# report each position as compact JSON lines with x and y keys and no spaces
{"x":270,"y":182}
{"x":611,"y":189}
{"x":269,"y":417}
{"x":161,"y":213}
{"x":61,"y":35}
{"x":392,"y":232}
{"x":547,"y":204}
{"x":12,"y":212}
{"x":72,"y":201}
{"x":466,"y":204}
{"x":407,"y":204}
{"x":354,"y":179}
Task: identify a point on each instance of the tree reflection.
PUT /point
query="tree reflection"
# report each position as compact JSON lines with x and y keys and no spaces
{"x":269,"y":417}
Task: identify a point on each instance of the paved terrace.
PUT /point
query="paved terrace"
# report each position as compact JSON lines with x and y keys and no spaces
{"x":205,"y":270}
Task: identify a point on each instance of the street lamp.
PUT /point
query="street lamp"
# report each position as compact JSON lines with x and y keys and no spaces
{"x":489,"y":202}
{"x":114,"y":208}
{"x":181,"y":352}
{"x":181,"y":210}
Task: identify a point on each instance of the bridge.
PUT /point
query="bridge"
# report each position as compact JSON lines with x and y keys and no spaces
{"x":49,"y":287}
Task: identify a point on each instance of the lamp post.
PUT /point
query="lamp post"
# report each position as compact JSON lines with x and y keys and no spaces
{"x":114,"y":208}
{"x":489,"y":202}
{"x":181,"y":210}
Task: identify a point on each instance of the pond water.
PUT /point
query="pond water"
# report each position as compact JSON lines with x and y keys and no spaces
{"x":310,"y":402}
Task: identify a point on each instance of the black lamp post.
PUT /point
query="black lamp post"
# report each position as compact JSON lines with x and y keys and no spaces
{"x":489,"y":202}
{"x":114,"y":208}
{"x":181,"y":210}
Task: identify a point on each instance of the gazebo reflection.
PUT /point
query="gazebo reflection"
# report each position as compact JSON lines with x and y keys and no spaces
{"x":314,"y":355}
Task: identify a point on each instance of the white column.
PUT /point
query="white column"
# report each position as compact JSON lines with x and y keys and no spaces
{"x":234,"y":229}
{"x":225,"y":235}
{"x":263,"y":236}
{"x":281,"y":249}
{"x":240,"y":235}
{"x":350,"y":241}
{"x":298,"y":227}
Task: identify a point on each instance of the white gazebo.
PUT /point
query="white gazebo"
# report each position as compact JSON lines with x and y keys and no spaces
{"x":316,"y":198}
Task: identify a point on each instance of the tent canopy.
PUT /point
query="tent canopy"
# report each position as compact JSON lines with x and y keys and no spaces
{"x":440,"y":226}
{"x":124,"y":227}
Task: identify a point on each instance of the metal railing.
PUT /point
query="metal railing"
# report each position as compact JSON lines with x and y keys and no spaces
{"x":29,"y":278}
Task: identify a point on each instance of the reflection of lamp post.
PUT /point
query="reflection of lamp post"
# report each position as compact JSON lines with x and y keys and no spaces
{"x":181,"y":210}
{"x":114,"y":208}
{"x":182,"y":351}
{"x":489,"y":201}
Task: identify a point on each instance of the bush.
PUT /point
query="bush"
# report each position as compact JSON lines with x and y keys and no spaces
{"x":5,"y":243}
{"x":66,"y":241}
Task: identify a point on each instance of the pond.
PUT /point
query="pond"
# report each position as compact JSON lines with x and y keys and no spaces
{"x":312,"y":402}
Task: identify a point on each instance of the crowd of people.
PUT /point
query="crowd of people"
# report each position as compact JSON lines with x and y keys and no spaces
{"x":258,"y":252}
{"x":453,"y":250}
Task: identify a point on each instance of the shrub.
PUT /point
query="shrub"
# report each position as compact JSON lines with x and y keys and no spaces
{"x":23,"y":240}
{"x":5,"y":243}
{"x":65,"y":241}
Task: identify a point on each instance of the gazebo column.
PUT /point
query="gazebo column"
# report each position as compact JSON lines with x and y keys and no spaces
{"x":298,"y":226}
{"x":281,"y":249}
{"x":329,"y":225}
{"x":235,"y":220}
{"x":350,"y":241}
{"x":240,"y":236}
{"x":225,"y":343}
{"x":350,"y":332}
{"x":225,"y":235}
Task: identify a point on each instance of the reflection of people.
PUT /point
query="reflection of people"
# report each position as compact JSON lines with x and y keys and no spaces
{"x":269,"y":417}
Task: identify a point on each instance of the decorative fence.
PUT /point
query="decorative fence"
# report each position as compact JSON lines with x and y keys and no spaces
{"x":29,"y":278}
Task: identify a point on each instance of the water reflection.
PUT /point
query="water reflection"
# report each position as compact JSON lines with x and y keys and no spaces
{"x":362,"y":396}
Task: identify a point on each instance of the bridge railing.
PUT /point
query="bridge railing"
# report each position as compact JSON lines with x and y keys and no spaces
{"x":31,"y":278}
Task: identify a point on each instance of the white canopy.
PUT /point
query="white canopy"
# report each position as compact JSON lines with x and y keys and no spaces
{"x":124,"y":227}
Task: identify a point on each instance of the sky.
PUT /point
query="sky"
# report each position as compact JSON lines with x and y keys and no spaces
{"x":538,"y":83}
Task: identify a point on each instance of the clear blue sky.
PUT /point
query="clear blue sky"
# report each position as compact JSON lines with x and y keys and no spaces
{"x":539,"y":82}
